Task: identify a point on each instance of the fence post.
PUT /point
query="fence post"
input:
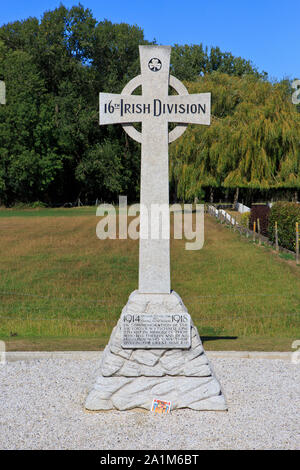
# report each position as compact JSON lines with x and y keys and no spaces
{"x":276,"y":237}
{"x":258,"y":231}
{"x":247,"y":227}
{"x":297,"y":243}
{"x":254,"y":230}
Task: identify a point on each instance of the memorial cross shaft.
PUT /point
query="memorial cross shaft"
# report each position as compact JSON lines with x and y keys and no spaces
{"x":155,"y":108}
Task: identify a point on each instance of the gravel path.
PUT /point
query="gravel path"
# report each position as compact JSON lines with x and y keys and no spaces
{"x":42,"y":408}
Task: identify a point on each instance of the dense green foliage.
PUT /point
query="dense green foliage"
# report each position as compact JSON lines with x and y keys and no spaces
{"x":253,"y":141}
{"x":286,"y":214}
{"x":52,"y":148}
{"x":51,"y":145}
{"x":190,"y":62}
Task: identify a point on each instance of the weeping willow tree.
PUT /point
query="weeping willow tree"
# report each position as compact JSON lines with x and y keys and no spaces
{"x":253,"y":141}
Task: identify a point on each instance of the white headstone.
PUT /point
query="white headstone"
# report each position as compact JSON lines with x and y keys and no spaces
{"x":155,"y":349}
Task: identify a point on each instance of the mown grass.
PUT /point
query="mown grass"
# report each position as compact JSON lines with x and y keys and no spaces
{"x":47,"y":212}
{"x":58,"y":280}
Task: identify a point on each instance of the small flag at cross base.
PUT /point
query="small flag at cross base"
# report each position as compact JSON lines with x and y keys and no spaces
{"x":161,"y":406}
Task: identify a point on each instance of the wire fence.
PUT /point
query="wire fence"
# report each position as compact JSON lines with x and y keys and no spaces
{"x":255,"y":236}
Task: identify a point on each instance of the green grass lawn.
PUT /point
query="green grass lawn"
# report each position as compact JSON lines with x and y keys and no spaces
{"x":63,"y":288}
{"x":45,"y":212}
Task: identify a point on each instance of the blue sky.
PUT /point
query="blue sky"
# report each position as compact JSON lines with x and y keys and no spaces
{"x":265,"y":31}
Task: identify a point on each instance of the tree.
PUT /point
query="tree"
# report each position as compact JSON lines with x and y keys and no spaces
{"x":253,"y":141}
{"x":115,"y":54}
{"x":29,"y":157}
{"x":53,"y":149}
{"x":54,"y":70}
{"x":189,"y":62}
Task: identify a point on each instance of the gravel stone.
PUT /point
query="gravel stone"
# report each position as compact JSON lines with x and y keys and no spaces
{"x":42,"y":407}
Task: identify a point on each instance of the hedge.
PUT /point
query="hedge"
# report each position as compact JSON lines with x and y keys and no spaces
{"x":286,"y":214}
{"x":262,"y":213}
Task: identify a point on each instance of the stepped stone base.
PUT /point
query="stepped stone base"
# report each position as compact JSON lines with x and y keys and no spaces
{"x":124,"y":393}
{"x":131,"y":378}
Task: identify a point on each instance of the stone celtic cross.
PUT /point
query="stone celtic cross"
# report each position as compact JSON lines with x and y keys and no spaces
{"x":155,"y":108}
{"x":155,"y":350}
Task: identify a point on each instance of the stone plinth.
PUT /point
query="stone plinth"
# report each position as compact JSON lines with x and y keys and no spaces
{"x":131,"y":378}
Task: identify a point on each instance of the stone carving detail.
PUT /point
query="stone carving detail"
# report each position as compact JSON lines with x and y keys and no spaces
{"x":131,"y":378}
{"x":150,"y":331}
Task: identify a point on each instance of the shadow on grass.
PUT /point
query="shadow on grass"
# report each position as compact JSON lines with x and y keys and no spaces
{"x":215,"y":338}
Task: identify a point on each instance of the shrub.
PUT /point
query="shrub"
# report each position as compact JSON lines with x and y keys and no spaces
{"x":286,"y":214}
{"x":38,"y":205}
{"x":262,"y":213}
{"x":29,"y":205}
{"x":245,"y":218}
